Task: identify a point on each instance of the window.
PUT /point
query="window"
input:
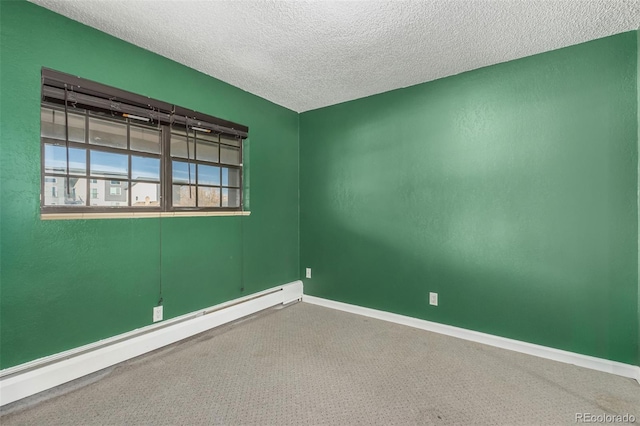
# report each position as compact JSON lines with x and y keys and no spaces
{"x":104,"y":149}
{"x":205,"y":171}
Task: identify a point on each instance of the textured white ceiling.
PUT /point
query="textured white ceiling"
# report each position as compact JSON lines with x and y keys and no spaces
{"x":309,"y":54}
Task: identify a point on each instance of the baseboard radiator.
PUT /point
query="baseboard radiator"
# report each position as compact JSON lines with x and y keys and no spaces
{"x":45,"y":373}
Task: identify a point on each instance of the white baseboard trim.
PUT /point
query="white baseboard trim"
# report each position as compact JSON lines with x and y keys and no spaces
{"x":45,"y":373}
{"x":613,"y":367}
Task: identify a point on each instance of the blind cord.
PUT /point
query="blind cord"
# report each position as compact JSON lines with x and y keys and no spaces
{"x":186,"y":130}
{"x":242,"y":217}
{"x":160,"y":295}
{"x":162,"y":147}
{"x":66,"y":136}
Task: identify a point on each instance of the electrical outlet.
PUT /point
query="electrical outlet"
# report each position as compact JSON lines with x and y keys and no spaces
{"x":157,"y":313}
{"x":308,"y":275}
{"x":433,"y":299}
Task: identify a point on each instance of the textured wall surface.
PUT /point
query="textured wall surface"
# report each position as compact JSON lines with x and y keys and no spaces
{"x":510,"y":190}
{"x":68,"y":283}
{"x":310,"y":54}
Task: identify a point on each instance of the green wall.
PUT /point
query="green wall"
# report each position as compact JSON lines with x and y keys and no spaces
{"x":510,"y":190}
{"x":69,"y":283}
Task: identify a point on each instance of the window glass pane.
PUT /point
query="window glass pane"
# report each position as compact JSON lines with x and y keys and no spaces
{"x":107,"y":133}
{"x":230,"y":197}
{"x":208,"y":197}
{"x":143,"y":139}
{"x":106,"y":164}
{"x":52,"y":125}
{"x":111,"y":193}
{"x":228,"y":140}
{"x":181,"y":172}
{"x":144,"y":194}
{"x":145,"y":168}
{"x":55,"y":192}
{"x":229,"y":155}
{"x":184,"y":195}
{"x":55,"y":160}
{"x":207,"y":151}
{"x":230,"y":177}
{"x":208,"y":175}
{"x":179,"y":146}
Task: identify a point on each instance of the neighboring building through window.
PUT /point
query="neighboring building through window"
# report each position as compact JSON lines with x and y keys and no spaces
{"x":100,"y":156}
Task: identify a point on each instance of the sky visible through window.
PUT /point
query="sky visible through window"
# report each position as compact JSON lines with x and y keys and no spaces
{"x":103,"y":164}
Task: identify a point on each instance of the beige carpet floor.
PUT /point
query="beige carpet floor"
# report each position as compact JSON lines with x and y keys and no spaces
{"x":309,"y":365}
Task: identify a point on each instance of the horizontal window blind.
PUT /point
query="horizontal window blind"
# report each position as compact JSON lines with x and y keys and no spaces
{"x":105,"y":149}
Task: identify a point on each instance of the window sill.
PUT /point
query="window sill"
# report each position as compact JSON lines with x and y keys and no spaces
{"x":136,"y":215}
